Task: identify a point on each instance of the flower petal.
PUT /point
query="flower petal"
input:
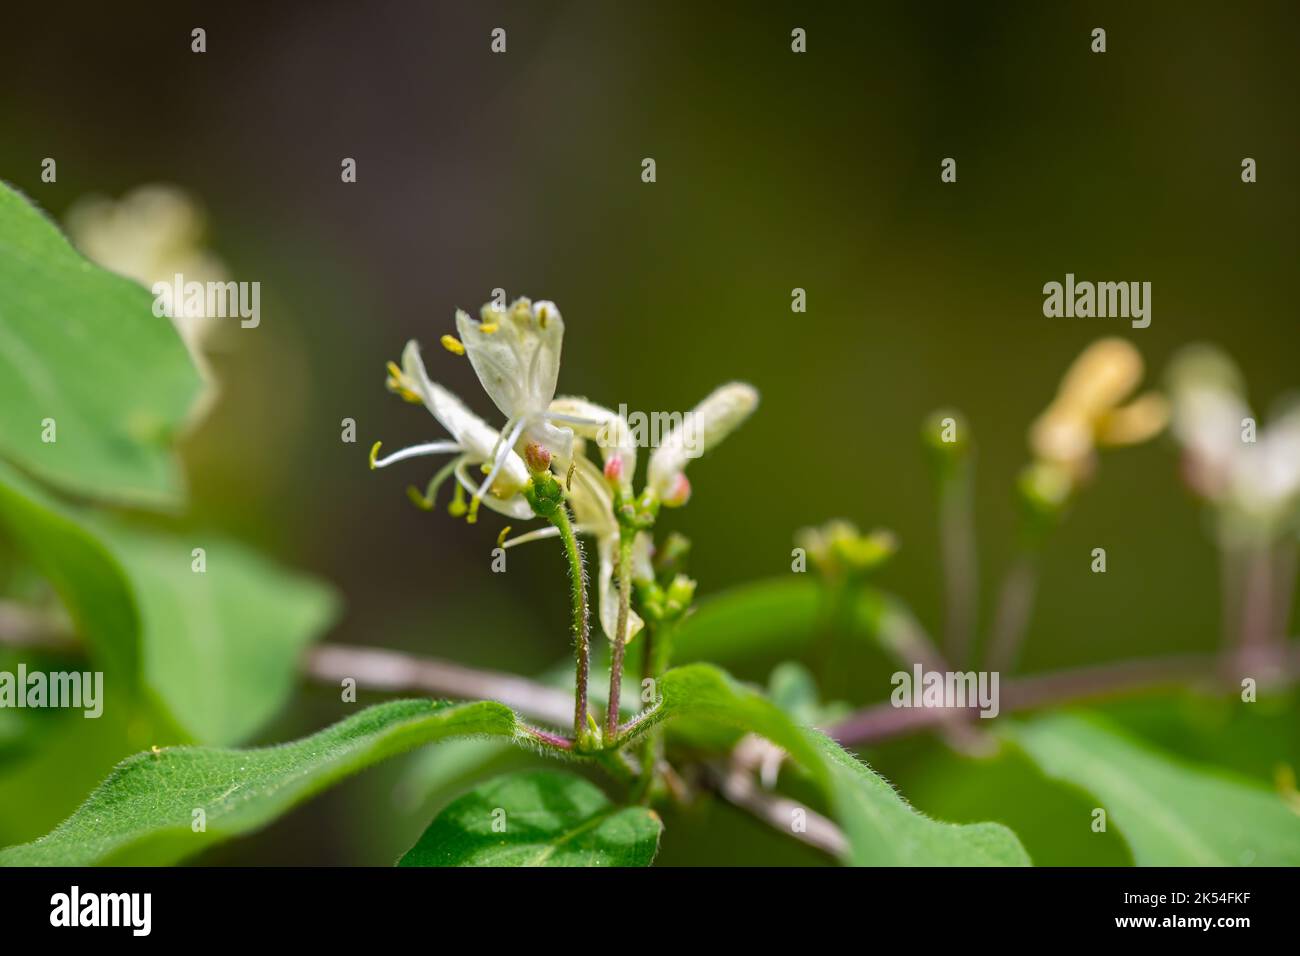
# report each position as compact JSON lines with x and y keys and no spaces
{"x":711,"y":421}
{"x":607,"y":545}
{"x":479,"y":439}
{"x":606,"y":427}
{"x":516,"y":354}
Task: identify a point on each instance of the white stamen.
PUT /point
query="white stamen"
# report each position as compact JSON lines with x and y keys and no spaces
{"x":550,"y":531}
{"x":507,"y":447}
{"x":415,"y":451}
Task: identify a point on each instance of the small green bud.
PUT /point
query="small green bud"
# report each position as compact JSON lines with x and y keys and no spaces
{"x":680,"y":594}
{"x":545,"y":494}
{"x":651,"y":601}
{"x":637,"y":514}
{"x":947,"y":436}
{"x":1045,"y":491}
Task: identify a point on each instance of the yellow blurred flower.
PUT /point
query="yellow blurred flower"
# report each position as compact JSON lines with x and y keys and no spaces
{"x":1089,"y":411}
{"x":149,"y":236}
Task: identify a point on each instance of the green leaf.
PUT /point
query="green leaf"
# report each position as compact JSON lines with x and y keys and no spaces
{"x":885,"y":830}
{"x":882,"y":828}
{"x":1171,"y":813}
{"x":145,"y":812}
{"x":81,"y":346}
{"x":773,"y":616}
{"x":88,"y":578}
{"x":540,"y":818}
{"x":219,"y":649}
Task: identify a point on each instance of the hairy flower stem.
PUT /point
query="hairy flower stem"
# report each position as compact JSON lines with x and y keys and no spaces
{"x":650,"y":743}
{"x":620,"y":639}
{"x":581,"y":628}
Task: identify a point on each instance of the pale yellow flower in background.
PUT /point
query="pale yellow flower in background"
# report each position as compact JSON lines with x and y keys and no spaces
{"x":149,"y":236}
{"x":838,"y":546}
{"x":1088,"y":412}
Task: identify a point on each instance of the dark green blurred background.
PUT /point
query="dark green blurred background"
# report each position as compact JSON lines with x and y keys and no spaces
{"x":775,"y":170}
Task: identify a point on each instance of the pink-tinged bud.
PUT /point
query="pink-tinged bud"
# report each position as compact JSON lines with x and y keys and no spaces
{"x":537,"y":457}
{"x":679,"y":492}
{"x":614,"y":469}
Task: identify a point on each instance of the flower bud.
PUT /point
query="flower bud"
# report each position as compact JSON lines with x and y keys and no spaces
{"x":537,"y":457}
{"x":679,"y":492}
{"x":614,"y":469}
{"x":680,"y":594}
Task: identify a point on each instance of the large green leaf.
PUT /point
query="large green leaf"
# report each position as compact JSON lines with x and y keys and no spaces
{"x":775,"y":616}
{"x":81,"y":346}
{"x":88,"y":578}
{"x":219,"y":649}
{"x":883,"y":829}
{"x":539,"y":818}
{"x":1171,"y":813}
{"x":145,"y":812}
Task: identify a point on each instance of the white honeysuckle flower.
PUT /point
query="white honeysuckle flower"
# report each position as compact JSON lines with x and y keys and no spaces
{"x":707,"y":424}
{"x":474,"y":441}
{"x":1254,"y":480}
{"x":1266,"y":479}
{"x":593,"y":512}
{"x":608,"y":429}
{"x":1207,"y":423}
{"x":516,"y":355}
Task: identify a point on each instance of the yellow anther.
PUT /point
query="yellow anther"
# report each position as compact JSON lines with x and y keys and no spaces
{"x":457,"y":506}
{"x":418,"y":499}
{"x":568,"y":479}
{"x":374,"y":453}
{"x":501,"y":538}
{"x":485,"y":468}
{"x":487,"y":328}
{"x":472,"y":516}
{"x":397,"y":383}
{"x":452,"y":345}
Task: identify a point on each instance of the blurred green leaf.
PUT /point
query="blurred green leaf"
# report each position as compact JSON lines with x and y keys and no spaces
{"x":218,"y":649}
{"x":81,"y":346}
{"x":540,"y":818}
{"x":221,"y":648}
{"x":434,"y":771}
{"x":770,"y":616}
{"x":145,"y":812}
{"x":1009,"y":788}
{"x":1171,"y":814}
{"x":883,"y":829}
{"x":88,"y":578}
{"x":792,"y":687}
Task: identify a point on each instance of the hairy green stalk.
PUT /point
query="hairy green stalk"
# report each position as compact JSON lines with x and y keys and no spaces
{"x":625,"y":538}
{"x":581,"y":626}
